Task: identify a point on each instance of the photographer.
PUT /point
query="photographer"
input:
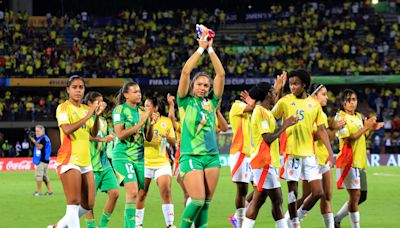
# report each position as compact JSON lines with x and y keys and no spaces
{"x":41,"y":158}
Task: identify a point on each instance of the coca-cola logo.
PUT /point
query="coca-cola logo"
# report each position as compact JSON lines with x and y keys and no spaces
{"x":19,"y":165}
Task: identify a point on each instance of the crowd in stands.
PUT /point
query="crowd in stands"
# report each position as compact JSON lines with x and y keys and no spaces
{"x":335,"y":40}
{"x":382,"y":102}
{"x":342,"y":38}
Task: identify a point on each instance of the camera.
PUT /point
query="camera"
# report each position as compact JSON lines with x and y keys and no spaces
{"x":30,"y":133}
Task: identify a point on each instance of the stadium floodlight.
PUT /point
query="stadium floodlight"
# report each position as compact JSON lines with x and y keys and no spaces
{"x":375,"y":2}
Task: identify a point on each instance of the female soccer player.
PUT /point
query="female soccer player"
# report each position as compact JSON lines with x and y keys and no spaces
{"x":178,"y":129}
{"x":103,"y":172}
{"x":157,"y":164}
{"x":222,"y":125}
{"x":300,"y":159}
{"x":352,"y":159}
{"x":264,"y":160}
{"x":320,"y":94}
{"x":199,"y":161}
{"x":239,"y":117}
{"x":132,"y":124}
{"x":73,"y":165}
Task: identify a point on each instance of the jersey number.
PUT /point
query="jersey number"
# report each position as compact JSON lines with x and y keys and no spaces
{"x":300,"y":114}
{"x":129,"y":168}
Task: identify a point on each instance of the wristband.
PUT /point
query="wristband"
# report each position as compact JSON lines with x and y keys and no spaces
{"x":200,"y":50}
{"x":210,"y":50}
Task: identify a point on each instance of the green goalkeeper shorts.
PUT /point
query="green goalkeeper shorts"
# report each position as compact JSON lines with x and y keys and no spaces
{"x":189,"y":163}
{"x":129,"y":172}
{"x":105,"y":180}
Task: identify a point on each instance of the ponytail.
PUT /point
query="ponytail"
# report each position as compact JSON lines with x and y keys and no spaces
{"x":91,"y":96}
{"x":120,"y":99}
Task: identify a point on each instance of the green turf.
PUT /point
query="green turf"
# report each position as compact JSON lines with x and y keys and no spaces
{"x":20,"y":209}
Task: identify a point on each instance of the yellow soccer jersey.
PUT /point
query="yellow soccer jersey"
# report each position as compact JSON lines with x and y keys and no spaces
{"x":300,"y":140}
{"x":359,"y":147}
{"x":240,"y":123}
{"x":155,"y":152}
{"x":320,"y":149}
{"x":75,"y":148}
{"x":262,"y":121}
{"x":178,"y":131}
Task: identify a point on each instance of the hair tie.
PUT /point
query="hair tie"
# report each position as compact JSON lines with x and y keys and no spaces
{"x":317,"y":89}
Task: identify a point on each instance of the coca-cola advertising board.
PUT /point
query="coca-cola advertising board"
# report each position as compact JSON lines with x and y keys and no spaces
{"x":21,"y":164}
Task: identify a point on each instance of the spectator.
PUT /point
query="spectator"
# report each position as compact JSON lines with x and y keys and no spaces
{"x":12,"y":152}
{"x":6,"y":148}
{"x":18,"y":149}
{"x":41,"y":158}
{"x":25,"y":148}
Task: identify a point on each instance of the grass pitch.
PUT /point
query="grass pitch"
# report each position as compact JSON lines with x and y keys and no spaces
{"x":20,"y":209}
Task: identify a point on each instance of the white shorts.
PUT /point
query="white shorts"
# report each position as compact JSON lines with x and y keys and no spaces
{"x":324,"y":168}
{"x":271,"y":181}
{"x":306,"y":168}
{"x":64,"y":168}
{"x":240,"y":162}
{"x":155,"y":173}
{"x":355,"y":179}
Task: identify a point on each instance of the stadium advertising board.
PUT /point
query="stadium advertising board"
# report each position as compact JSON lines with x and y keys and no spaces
{"x":37,"y":21}
{"x":25,"y":164}
{"x":118,"y":82}
{"x":21,"y":164}
{"x":62,"y":82}
{"x":372,"y":159}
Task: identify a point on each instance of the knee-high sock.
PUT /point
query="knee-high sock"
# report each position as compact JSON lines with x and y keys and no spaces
{"x":202,"y":218}
{"x":191,"y":212}
{"x":130,"y":213}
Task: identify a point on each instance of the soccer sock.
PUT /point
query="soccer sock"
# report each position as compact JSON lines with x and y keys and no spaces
{"x":168,"y":211}
{"x":139,"y":217}
{"x":105,"y":217}
{"x":355,"y":219}
{"x":287,"y":215}
{"x":90,"y":223}
{"x":240,"y":214}
{"x":202,"y":218}
{"x":62,"y":223}
{"x":248,"y":223}
{"x":130,"y":213}
{"x":328,"y":220}
{"x":281,"y":223}
{"x":295,"y":222}
{"x":301,"y":213}
{"x":71,"y":216}
{"x":343,"y":212}
{"x":82,"y":211}
{"x":188,"y":201}
{"x":191,"y":212}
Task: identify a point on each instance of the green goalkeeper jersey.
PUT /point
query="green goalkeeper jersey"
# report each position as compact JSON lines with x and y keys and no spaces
{"x":199,"y":136}
{"x":131,"y":148}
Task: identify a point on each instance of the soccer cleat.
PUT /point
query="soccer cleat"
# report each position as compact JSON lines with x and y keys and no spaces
{"x":287,"y":218}
{"x":52,"y":226}
{"x":37,"y":194}
{"x":337,"y":223}
{"x":49,"y":194}
{"x":232,"y":220}
{"x":171,"y":226}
